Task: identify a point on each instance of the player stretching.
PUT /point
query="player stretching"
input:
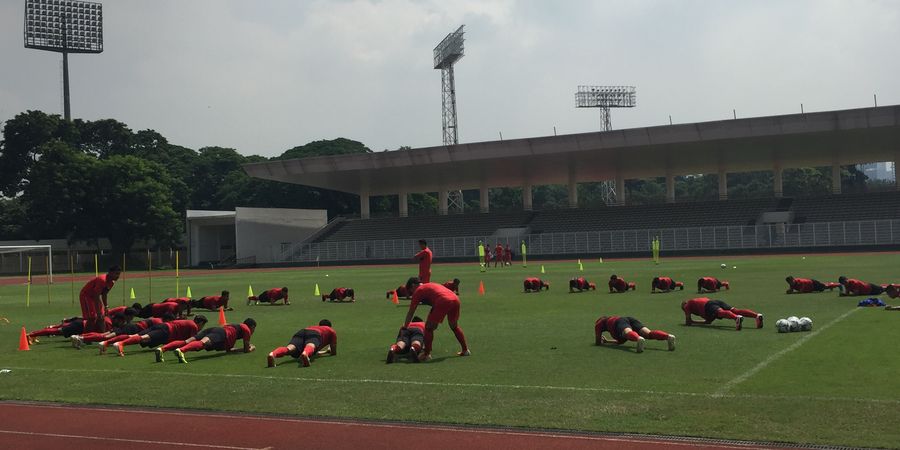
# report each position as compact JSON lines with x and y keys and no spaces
{"x":216,"y":338}
{"x":619,"y":285}
{"x":665,"y":284}
{"x":160,"y":334}
{"x":306,"y":343}
{"x":807,"y":285}
{"x":453,"y":285}
{"x":409,"y":341}
{"x":444,"y":303}
{"x":535,"y":285}
{"x":711,"y":284}
{"x":93,"y":298}
{"x":271,"y":296}
{"x":852,"y":286}
{"x":339,"y":294}
{"x":424,"y":257}
{"x":581,"y":284}
{"x":622,"y":329}
{"x":711,"y":310}
{"x":67,"y":328}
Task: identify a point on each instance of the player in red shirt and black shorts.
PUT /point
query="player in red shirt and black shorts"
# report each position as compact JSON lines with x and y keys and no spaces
{"x":212,"y":302}
{"x":852,"y":286}
{"x":711,"y":284}
{"x":163,"y":333}
{"x":808,"y":285}
{"x":67,"y":328}
{"x":444,"y":304}
{"x":498,"y":258}
{"x":121,"y":323}
{"x":581,"y":284}
{"x":424,"y":257}
{"x":622,"y":329}
{"x":619,"y":285}
{"x":453,"y":285}
{"x":161,"y":309}
{"x":306,"y":343}
{"x":339,"y":294}
{"x":270,"y":296}
{"x":216,"y":338}
{"x":93,"y":298}
{"x":665,"y":284}
{"x":535,"y":284}
{"x":711,"y":310}
{"x":409,"y":341}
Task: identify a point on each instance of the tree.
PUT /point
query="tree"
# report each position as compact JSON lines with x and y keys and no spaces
{"x":23,"y":138}
{"x":12,"y":218}
{"x":339,"y":146}
{"x":104,"y":138}
{"x":210,"y":170}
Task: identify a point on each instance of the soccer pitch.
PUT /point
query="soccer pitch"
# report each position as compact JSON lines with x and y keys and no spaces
{"x":533,"y":363}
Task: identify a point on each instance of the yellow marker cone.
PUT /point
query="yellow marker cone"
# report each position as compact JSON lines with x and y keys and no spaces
{"x":188,"y":294}
{"x":580,"y":267}
{"x":249,"y":291}
{"x":542,"y":269}
{"x":132,"y":296}
{"x":317,"y":290}
{"x":601,"y":260}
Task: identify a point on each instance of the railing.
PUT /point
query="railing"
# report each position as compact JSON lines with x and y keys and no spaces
{"x":773,"y":236}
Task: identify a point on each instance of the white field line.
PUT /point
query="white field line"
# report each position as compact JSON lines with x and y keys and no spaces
{"x":131,"y":441}
{"x":468,"y":385}
{"x":773,"y":357}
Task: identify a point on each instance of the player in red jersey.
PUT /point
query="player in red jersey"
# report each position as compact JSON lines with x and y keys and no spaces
{"x":126,"y":329}
{"x":339,"y":294}
{"x":186,"y":301}
{"x":711,"y":284}
{"x":161,"y":309}
{"x":424,"y":257}
{"x":67,"y":328}
{"x":711,"y":310}
{"x":807,"y":285}
{"x":216,"y":338}
{"x":507,"y":255}
{"x":212,"y":302}
{"x":93,"y":298}
{"x":409,"y":341}
{"x":852,"y":286}
{"x":163,"y":333}
{"x":535,"y":284}
{"x":581,"y":284}
{"x":619,"y":285}
{"x":622,"y":329}
{"x":306,"y":343}
{"x":271,"y":296}
{"x":120,"y":320}
{"x":444,"y":304}
{"x":665,"y":284}
{"x":122,"y":309}
{"x":453,"y":285}
{"x":498,"y":252}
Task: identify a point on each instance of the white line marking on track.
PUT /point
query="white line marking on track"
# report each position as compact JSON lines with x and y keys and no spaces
{"x":132,"y":441}
{"x":765,"y":363}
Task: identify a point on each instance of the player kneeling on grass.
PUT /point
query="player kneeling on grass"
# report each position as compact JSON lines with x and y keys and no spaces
{"x":711,"y":310}
{"x":340,"y":294}
{"x":807,"y":285}
{"x":271,"y":296}
{"x":622,"y":329}
{"x":852,"y":286}
{"x":409,"y":341}
{"x":444,"y":303}
{"x":306,"y":343}
{"x":212,"y":302}
{"x":535,"y":285}
{"x":453,"y":285}
{"x":216,"y":338}
{"x":711,"y":284}
{"x":67,"y":328}
{"x":581,"y":284}
{"x":618,"y":285}
{"x":160,"y":334}
{"x":665,"y":284}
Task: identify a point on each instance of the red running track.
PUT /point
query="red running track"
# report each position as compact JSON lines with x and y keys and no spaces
{"x":53,"y":426}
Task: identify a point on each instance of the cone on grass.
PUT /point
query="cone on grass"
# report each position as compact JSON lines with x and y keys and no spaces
{"x":23,"y":341}
{"x":222,"y":320}
{"x":395,"y":299}
{"x":580,"y":267}
{"x":542,"y":269}
{"x":188,"y":294}
{"x":317,"y":293}
{"x":481,"y":288}
{"x":132,"y":294}
{"x":601,"y":260}
{"x":249,"y":291}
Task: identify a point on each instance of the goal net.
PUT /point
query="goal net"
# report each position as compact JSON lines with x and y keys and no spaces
{"x":14,"y":260}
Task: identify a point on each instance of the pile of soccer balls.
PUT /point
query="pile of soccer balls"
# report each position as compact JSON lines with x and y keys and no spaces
{"x":793,"y":324}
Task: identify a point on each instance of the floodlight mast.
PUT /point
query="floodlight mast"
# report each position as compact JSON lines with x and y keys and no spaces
{"x":606,"y":97}
{"x":446,"y":54}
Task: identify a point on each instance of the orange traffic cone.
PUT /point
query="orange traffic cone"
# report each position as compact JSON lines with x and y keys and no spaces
{"x":395,"y":300}
{"x":222,"y":320}
{"x":481,"y":288}
{"x":23,"y":341}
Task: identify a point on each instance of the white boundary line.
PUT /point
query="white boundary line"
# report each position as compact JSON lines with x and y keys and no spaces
{"x":131,"y":441}
{"x":765,"y":363}
{"x":478,"y":385}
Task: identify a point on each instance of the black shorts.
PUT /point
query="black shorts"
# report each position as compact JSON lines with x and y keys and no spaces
{"x":129,"y":329}
{"x":196,"y":304}
{"x":818,"y":286}
{"x":625,"y":322}
{"x":159,"y":335}
{"x":264,"y":297}
{"x":71,"y":328}
{"x":410,"y":335}
{"x":713,"y":306}
{"x":303,"y":338}
{"x":875,"y":289}
{"x":216,"y":335}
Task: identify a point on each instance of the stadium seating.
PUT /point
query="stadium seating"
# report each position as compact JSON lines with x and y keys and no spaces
{"x":847,"y":207}
{"x":425,"y":226}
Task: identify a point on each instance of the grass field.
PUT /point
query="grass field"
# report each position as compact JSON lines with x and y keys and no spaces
{"x":533,"y":364}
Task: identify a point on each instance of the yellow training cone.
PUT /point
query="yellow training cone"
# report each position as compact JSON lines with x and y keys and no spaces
{"x":317,"y":290}
{"x":249,"y":291}
{"x":132,"y":294}
{"x":189,"y":293}
{"x":542,"y":269}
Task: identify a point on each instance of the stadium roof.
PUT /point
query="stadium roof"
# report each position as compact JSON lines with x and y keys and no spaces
{"x":817,"y":139}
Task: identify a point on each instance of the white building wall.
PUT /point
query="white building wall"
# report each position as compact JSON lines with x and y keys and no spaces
{"x":258,"y":230}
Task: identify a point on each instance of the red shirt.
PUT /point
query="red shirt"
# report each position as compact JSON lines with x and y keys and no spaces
{"x":802,"y":285}
{"x":212,"y":302}
{"x":180,"y":330}
{"x":329,"y":337}
{"x":339,"y":293}
{"x":533,"y":284}
{"x":276,"y":294}
{"x":147,"y":323}
{"x":424,"y":258}
{"x":709,"y":283}
{"x":96,"y":287}
{"x":418,"y":325}
{"x":696,"y":306}
{"x":618,"y":284}
{"x":608,"y":325}
{"x":432,"y":294}
{"x":451,"y":285}
{"x":114,"y":311}
{"x":581,"y":283}
{"x":177,"y":300}
{"x":233,"y":332}
{"x":857,"y":287}
{"x":159,"y":309}
{"x":402,"y":292}
{"x":665,"y":283}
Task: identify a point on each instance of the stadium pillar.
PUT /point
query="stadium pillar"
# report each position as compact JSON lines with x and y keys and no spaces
{"x":485,"y":203}
{"x":723,"y":184}
{"x":403,"y":198}
{"x":835,"y":178}
{"x":896,"y":178}
{"x":779,"y":185}
{"x":620,"y":189}
{"x":443,"y":198}
{"x":573,"y":189}
{"x":364,"y":205}
{"x":670,"y":188}
{"x":526,"y":196}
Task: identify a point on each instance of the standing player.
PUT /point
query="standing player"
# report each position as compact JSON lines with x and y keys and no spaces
{"x":535,"y":284}
{"x":711,"y":284}
{"x":409,"y":341}
{"x":711,"y":310}
{"x":481,"y":259}
{"x":93,"y":298}
{"x":271,"y":296}
{"x":163,"y":333}
{"x":498,"y":254}
{"x":453,"y":285}
{"x":619,"y":285}
{"x":306,"y":343}
{"x":339,"y":294}
{"x":581,"y":284}
{"x":216,"y":338}
{"x":424,"y":257}
{"x":807,"y":285}
{"x":852,"y":286}
{"x":212,"y":302}
{"x":622,"y":329}
{"x":507,"y":255}
{"x":665,"y":284}
{"x":444,"y":303}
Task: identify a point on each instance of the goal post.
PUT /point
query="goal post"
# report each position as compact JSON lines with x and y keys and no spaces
{"x":20,"y":266}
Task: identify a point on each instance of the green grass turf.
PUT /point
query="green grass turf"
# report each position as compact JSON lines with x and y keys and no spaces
{"x":534,"y":363}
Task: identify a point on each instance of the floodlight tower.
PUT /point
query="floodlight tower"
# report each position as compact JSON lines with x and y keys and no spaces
{"x":446,"y":54}
{"x":64,"y":26}
{"x":605,"y":97}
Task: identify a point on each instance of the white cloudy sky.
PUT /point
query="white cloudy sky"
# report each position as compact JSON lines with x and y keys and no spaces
{"x":264,"y":76}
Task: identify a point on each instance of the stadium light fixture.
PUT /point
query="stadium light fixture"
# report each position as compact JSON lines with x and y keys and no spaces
{"x":606,"y":97}
{"x":64,"y":26}
{"x":446,"y":54}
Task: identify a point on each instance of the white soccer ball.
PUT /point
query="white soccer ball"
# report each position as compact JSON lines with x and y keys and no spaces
{"x":783,"y":326}
{"x":795,"y":323}
{"x":326,"y":274}
{"x":723,"y":265}
{"x":734,"y":267}
{"x":805,"y":324}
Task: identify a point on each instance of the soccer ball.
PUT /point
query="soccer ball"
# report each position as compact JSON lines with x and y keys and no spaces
{"x":783,"y":326}
{"x":723,"y":265}
{"x":805,"y":324}
{"x":795,"y":323}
